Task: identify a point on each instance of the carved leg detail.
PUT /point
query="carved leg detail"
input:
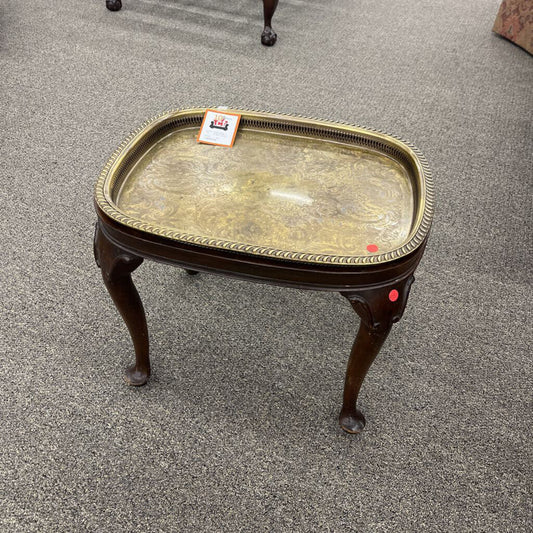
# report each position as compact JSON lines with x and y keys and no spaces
{"x":113,"y":5}
{"x":378,"y":308}
{"x":269,"y":37}
{"x":117,"y":265}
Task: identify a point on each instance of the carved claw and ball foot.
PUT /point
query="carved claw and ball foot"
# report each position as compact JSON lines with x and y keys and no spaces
{"x":269,"y":36}
{"x":378,"y":309}
{"x":117,"y":265}
{"x":113,"y":5}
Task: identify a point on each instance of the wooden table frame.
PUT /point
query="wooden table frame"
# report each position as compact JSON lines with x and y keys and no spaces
{"x":119,"y":250}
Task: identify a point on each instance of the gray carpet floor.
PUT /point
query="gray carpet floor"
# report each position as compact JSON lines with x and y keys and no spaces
{"x":237,"y":429}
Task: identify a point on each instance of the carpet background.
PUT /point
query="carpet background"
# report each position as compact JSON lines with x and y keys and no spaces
{"x":237,"y":429}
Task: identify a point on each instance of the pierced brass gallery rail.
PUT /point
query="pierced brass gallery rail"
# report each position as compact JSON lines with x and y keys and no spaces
{"x":292,"y":188}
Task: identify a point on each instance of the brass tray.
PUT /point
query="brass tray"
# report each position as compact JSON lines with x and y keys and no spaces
{"x":290,"y":188}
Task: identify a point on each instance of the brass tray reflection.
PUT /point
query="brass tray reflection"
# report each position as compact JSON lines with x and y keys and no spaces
{"x":290,"y":187}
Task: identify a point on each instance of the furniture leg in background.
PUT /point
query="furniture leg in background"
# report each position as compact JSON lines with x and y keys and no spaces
{"x":268,"y":37}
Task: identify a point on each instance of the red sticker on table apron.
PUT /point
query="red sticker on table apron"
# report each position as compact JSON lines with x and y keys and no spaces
{"x":393,"y":295}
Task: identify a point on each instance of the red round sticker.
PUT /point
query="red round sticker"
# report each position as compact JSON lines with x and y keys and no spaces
{"x":393,"y":295}
{"x":372,"y":248}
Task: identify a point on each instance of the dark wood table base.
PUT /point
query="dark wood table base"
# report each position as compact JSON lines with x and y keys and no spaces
{"x":268,"y":37}
{"x":378,"y":293}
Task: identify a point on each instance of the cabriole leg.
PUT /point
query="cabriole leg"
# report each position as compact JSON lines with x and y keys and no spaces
{"x":365,"y":348}
{"x":116,"y":266}
{"x":378,"y":309}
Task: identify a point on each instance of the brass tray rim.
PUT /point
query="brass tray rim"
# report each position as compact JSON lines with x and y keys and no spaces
{"x":423,"y":216}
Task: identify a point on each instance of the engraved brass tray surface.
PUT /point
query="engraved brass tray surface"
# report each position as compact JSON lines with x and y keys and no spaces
{"x":290,"y":188}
